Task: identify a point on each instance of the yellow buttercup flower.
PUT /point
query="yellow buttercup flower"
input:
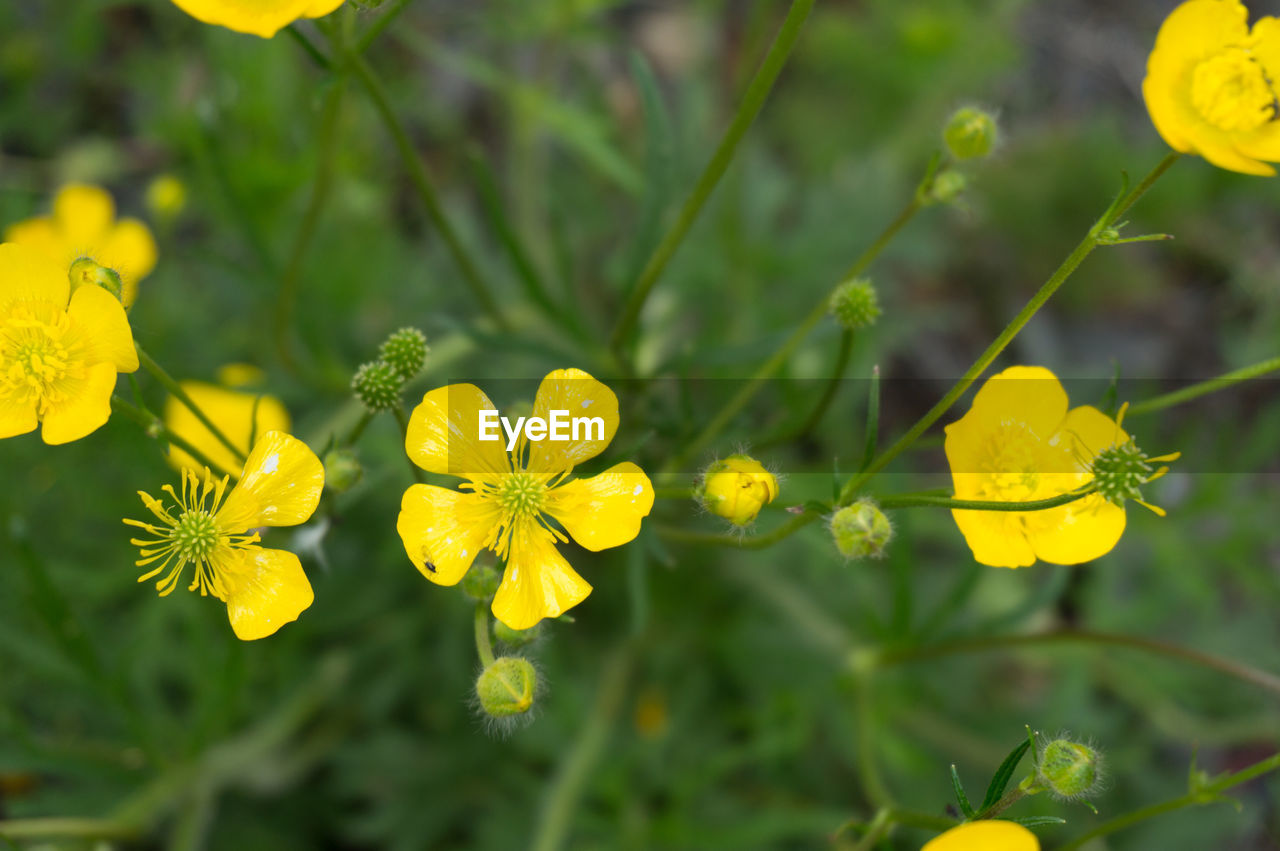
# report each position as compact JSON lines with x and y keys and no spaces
{"x":238,"y":415}
{"x":59,"y":351}
{"x":514,"y":498}
{"x":257,"y":17}
{"x":986,"y":835}
{"x":1020,"y":443}
{"x":83,"y":224}
{"x":737,"y":488}
{"x":1211,"y":85}
{"x":264,"y":589}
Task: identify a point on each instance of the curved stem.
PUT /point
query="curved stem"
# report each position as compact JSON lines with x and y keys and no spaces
{"x":742,"y":542}
{"x":1206,"y":794}
{"x":1203,"y":388}
{"x":484,"y":644}
{"x":317,"y":57}
{"x":152,"y":425}
{"x":838,"y":370}
{"x":1046,"y":291}
{"x":908,"y":500}
{"x":392,"y":11}
{"x":1238,"y":670}
{"x":176,"y":391}
{"x":757,"y":93}
{"x":426,"y":191}
{"x":67,"y":828}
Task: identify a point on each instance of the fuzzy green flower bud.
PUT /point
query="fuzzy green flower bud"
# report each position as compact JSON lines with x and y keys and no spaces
{"x":1069,"y":769}
{"x":861,"y":530}
{"x":854,"y":304}
{"x":516,"y":637}
{"x":405,"y":351}
{"x":342,"y":469}
{"x":946,"y":187}
{"x":737,"y":488}
{"x":481,"y":582}
{"x":85,"y":272}
{"x":377,"y":385}
{"x":970,"y":133}
{"x":507,"y":687}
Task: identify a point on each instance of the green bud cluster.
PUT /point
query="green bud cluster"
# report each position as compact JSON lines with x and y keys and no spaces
{"x":970,"y":133}
{"x":860,"y":530}
{"x":855,"y":304}
{"x":377,"y":385}
{"x":405,"y":351}
{"x":1069,"y":769}
{"x":507,"y":688}
{"x":1120,"y":472}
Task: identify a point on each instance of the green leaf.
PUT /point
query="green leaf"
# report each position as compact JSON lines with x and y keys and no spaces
{"x":961,"y":797}
{"x":1038,"y":821}
{"x":1001,"y":779}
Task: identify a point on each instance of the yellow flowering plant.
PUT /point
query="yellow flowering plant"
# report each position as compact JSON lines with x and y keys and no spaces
{"x":83,"y":224}
{"x":60,"y":351}
{"x":518,"y":504}
{"x":257,"y":17}
{"x":213,"y":530}
{"x":240,"y":416}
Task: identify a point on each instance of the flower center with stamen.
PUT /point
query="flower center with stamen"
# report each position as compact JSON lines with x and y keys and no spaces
{"x":1121,"y":471}
{"x":1231,"y":91}
{"x":521,"y":494}
{"x":34,"y":360}
{"x":196,"y":535}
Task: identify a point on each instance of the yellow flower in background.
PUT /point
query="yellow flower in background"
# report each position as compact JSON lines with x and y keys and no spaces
{"x":986,"y":835}
{"x":59,"y":351}
{"x":83,"y":224}
{"x":1211,"y":85}
{"x":1020,"y":443}
{"x":238,"y":415}
{"x":256,"y":17}
{"x":737,"y":488}
{"x":513,"y":498}
{"x":264,"y":589}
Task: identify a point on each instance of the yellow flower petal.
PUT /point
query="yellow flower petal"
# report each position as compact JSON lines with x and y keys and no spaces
{"x":1199,"y":28}
{"x":26,"y":274}
{"x":16,"y":419}
{"x":258,"y":17}
{"x":102,"y":330}
{"x":281,"y":486}
{"x":1032,"y":395}
{"x":40,"y":234}
{"x":1092,"y":431}
{"x":986,"y":835}
{"x":997,"y":538}
{"x":443,"y":530}
{"x":83,"y":214}
{"x":1080,"y":531}
{"x":538,"y":582}
{"x":444,"y":434}
{"x":603,"y":511}
{"x":232,"y":412}
{"x":581,"y":395}
{"x":86,"y":408}
{"x":130,"y":250}
{"x":268,"y":589}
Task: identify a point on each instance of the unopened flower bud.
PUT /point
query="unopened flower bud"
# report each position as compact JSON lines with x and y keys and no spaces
{"x":481,"y":582}
{"x":1069,"y":769}
{"x":946,"y":187}
{"x":377,"y":385}
{"x":737,"y":488}
{"x":507,"y":687}
{"x":85,"y":272}
{"x":970,"y":133}
{"x":854,"y":304}
{"x":166,"y":197}
{"x":240,"y":375}
{"x":342,"y":469}
{"x":861,"y":530}
{"x":405,"y":351}
{"x":516,"y":637}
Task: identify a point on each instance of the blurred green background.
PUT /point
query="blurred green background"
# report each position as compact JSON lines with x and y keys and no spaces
{"x":709,"y":685}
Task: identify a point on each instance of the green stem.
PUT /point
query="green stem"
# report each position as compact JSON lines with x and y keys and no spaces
{"x":556,"y":816}
{"x":176,"y":391}
{"x":824,"y":403}
{"x":152,"y":425}
{"x":757,"y":93}
{"x":742,"y":542}
{"x":66,"y":828}
{"x":403,"y":419}
{"x":375,"y":29}
{"x":1238,"y":670}
{"x":1046,"y":291}
{"x":426,"y":191}
{"x":1010,"y":798}
{"x":868,"y":769}
{"x":358,"y":429}
{"x":314,"y":52}
{"x":1204,"y":795}
{"x":484,"y":644}
{"x":1203,"y":388}
{"x":909,"y":500}
{"x":287,"y":299}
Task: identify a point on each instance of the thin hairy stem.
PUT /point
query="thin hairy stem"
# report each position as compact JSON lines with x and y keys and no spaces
{"x":175,"y":390}
{"x":154,"y":426}
{"x":1203,"y":388}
